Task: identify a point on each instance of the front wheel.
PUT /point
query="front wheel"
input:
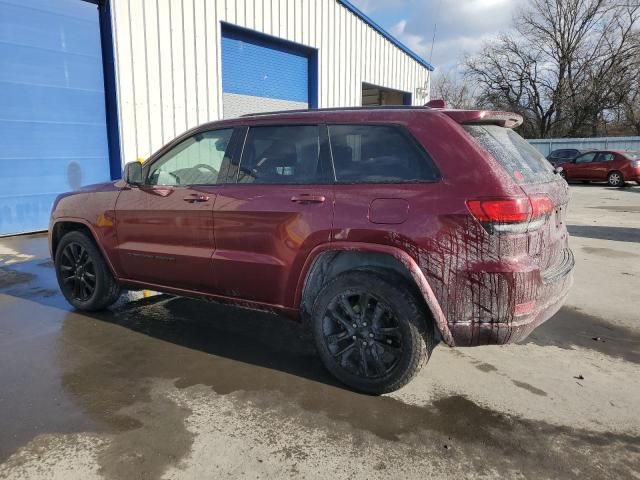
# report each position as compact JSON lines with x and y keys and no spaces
{"x":83,"y":275}
{"x":615,"y":179}
{"x":371,"y":331}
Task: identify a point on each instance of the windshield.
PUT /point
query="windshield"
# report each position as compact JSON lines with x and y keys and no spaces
{"x":518,"y":157}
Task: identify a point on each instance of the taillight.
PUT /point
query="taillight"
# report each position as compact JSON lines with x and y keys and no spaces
{"x":635,"y":163}
{"x":511,"y":215}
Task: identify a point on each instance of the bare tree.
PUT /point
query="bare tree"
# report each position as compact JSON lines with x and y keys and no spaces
{"x":566,"y":63}
{"x":457,"y":91}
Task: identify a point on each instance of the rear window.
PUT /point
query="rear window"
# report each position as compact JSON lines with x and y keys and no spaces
{"x":518,"y":157}
{"x":378,"y":154}
{"x":632,"y":155}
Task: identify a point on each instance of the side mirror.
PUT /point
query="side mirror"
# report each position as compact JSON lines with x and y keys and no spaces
{"x":133,"y":173}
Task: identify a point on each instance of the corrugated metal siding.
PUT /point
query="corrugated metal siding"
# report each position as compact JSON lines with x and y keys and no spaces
{"x":169,"y":69}
{"x":546,"y":146}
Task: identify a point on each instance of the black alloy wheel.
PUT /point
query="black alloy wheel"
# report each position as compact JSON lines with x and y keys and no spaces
{"x":363,"y":335}
{"x":78,"y":272}
{"x":372,"y":329}
{"x":83,"y":275}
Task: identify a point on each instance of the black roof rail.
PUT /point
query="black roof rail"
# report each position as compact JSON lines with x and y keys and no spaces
{"x":338,"y":109}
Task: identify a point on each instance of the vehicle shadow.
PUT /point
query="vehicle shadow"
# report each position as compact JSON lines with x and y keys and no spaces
{"x":628,"y":188}
{"x":247,"y":336}
{"x":619,"y":234}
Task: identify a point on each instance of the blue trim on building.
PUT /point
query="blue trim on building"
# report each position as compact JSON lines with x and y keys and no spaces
{"x":110,"y":88}
{"x":313,"y":78}
{"x":386,"y":34}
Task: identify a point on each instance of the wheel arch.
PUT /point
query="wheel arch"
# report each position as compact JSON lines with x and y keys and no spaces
{"x":62,"y":226}
{"x":327,"y":261}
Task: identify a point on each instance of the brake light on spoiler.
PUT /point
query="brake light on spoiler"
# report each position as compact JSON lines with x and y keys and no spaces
{"x":511,"y":215}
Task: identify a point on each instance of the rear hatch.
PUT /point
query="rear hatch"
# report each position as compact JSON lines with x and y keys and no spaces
{"x":547,"y":192}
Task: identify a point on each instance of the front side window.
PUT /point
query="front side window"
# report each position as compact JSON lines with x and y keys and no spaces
{"x":283,"y":155}
{"x":197,"y":160}
{"x":586,"y":158}
{"x":378,"y":154}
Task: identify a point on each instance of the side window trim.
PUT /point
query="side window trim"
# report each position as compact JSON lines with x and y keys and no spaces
{"x":326,"y":152}
{"x":239,"y":152}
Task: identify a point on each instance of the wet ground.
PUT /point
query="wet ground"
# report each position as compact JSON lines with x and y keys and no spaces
{"x":166,"y":387}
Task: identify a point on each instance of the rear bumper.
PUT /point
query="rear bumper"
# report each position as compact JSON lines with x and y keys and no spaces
{"x":552,"y":292}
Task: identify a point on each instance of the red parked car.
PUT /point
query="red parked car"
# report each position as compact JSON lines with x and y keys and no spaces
{"x":611,"y":166}
{"x":387,"y":230}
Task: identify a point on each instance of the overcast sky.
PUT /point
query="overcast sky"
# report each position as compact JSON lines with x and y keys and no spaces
{"x":462,"y":24}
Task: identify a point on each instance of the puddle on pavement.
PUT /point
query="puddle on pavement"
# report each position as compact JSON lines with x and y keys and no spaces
{"x":571,"y":327}
{"x":10,"y":278}
{"x":265,"y":360}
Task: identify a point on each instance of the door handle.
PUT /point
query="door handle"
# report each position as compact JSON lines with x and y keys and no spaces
{"x":307,"y":198}
{"x":196,"y":197}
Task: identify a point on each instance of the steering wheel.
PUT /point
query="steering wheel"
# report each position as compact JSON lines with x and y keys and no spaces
{"x":206,"y":167}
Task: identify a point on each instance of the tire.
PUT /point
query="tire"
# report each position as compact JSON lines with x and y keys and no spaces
{"x":95,"y":289}
{"x":615,"y":179}
{"x":391,"y":342}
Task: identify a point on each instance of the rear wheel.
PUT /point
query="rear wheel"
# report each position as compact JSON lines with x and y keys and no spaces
{"x":615,"y":179}
{"x":83,"y":276}
{"x":371,"y":331}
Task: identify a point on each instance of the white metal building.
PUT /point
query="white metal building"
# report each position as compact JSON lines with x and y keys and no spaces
{"x":86,"y":86}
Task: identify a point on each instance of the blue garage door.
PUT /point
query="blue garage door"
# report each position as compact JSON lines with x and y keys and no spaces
{"x":53,"y":135}
{"x":262,"y":74}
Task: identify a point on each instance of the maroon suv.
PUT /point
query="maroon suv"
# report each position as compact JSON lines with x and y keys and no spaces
{"x":386,"y":230}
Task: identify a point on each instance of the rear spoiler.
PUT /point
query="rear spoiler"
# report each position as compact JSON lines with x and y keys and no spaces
{"x":478,"y":117}
{"x":485,"y":117}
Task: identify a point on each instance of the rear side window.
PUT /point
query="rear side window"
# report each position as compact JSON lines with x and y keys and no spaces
{"x":283,"y":155}
{"x":606,"y":157}
{"x":378,"y":154}
{"x":517,"y":156}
